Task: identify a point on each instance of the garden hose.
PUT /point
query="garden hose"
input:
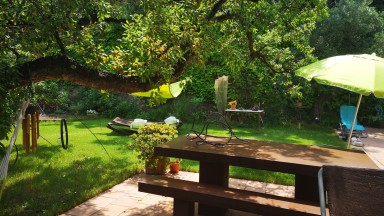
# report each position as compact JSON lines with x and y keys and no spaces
{"x":63,"y":128}
{"x":94,"y":136}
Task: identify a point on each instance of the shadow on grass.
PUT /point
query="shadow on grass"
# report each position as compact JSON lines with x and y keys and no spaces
{"x":49,"y":182}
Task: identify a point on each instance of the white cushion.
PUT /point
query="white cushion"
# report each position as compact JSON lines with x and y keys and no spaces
{"x":138,"y":123}
{"x":171,"y":120}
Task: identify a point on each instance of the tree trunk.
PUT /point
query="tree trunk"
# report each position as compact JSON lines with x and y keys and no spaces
{"x":64,"y":68}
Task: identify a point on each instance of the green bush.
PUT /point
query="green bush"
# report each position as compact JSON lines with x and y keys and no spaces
{"x":150,"y":136}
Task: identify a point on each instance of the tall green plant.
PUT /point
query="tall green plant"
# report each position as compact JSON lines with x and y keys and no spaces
{"x":221,"y":86}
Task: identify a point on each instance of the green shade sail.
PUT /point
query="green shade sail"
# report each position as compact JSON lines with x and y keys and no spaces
{"x":169,"y":90}
{"x":363,"y":73}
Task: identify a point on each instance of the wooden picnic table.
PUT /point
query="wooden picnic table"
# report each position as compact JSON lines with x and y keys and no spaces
{"x":300,"y":160}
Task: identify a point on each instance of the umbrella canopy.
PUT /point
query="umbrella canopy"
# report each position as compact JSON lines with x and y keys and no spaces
{"x":363,"y":74}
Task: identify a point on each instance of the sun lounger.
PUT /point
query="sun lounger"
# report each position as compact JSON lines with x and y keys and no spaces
{"x":130,"y":126}
{"x":347,"y":114}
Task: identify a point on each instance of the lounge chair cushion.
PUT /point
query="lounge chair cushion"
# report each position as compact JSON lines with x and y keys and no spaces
{"x":171,"y":120}
{"x":138,"y":123}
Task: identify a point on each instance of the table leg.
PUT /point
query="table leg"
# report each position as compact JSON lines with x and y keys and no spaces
{"x":183,"y":208}
{"x":261,"y":122}
{"x":217,"y":174}
{"x":306,"y":188}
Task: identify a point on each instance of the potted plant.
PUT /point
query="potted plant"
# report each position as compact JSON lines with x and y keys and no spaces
{"x":144,"y":142}
{"x":296,"y":93}
{"x":233,"y":104}
{"x":299,"y":102}
{"x":174,"y":166}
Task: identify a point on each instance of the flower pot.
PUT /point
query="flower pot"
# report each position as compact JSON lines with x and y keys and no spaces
{"x":156,"y":168}
{"x":233,"y":106}
{"x":174,"y":167}
{"x":299,"y":104}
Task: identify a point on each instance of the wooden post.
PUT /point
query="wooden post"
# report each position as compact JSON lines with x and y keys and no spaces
{"x":27,"y":133}
{"x":24,"y":127}
{"x":34,"y":132}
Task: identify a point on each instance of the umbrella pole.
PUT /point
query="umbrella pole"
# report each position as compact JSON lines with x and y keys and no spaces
{"x":354,"y":121}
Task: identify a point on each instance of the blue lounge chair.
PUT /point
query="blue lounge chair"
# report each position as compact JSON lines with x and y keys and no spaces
{"x":347,"y":113}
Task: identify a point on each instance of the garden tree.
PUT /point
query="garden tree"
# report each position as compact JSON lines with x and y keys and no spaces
{"x":130,"y":46}
{"x":353,"y":27}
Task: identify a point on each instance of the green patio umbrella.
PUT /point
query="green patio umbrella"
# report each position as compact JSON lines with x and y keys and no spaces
{"x":363,"y":74}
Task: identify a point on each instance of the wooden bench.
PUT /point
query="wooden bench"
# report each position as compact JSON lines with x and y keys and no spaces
{"x":186,"y":193}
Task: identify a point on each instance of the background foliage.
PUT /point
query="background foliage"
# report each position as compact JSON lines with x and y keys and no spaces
{"x":258,"y":45}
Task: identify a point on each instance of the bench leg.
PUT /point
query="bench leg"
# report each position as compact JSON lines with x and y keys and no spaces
{"x":306,"y":188}
{"x":183,"y":208}
{"x":216,"y":174}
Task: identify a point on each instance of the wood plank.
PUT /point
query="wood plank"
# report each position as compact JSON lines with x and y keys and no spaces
{"x":231,"y":198}
{"x":266,"y":155}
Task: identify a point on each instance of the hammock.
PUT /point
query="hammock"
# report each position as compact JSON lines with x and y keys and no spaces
{"x":5,"y":161}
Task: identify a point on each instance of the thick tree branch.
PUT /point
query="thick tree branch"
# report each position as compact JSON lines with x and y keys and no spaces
{"x":64,"y":68}
{"x":224,"y":17}
{"x":252,"y":53}
{"x":215,"y":9}
{"x":94,"y":18}
{"x":257,"y":53}
{"x":59,"y":42}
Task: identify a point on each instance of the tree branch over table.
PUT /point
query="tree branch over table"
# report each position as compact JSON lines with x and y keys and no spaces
{"x":64,"y":68}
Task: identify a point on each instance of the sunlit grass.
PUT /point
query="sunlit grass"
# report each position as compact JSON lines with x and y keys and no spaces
{"x":53,"y":180}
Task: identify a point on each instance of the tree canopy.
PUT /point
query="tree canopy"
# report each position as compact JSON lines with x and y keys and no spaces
{"x":138,"y":43}
{"x":130,"y":46}
{"x":353,"y":27}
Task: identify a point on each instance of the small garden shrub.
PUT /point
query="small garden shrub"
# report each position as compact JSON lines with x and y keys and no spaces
{"x":148,"y":137}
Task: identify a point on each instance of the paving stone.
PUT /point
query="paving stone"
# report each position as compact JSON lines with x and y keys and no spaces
{"x":152,"y":199}
{"x":99,"y":201}
{"x":83,"y":210}
{"x":162,"y":208}
{"x":113,"y":194}
{"x":124,"y":187}
{"x":126,"y":201}
{"x":111,"y":210}
{"x":280,"y":190}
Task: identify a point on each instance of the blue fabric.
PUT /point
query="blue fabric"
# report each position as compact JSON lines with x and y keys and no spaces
{"x":347,"y":113}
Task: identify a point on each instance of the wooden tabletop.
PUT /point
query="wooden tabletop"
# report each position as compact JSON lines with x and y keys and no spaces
{"x":273,"y":156}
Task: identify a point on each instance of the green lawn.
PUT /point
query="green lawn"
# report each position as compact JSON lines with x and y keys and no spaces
{"x":61,"y":179}
{"x":53,"y":180}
